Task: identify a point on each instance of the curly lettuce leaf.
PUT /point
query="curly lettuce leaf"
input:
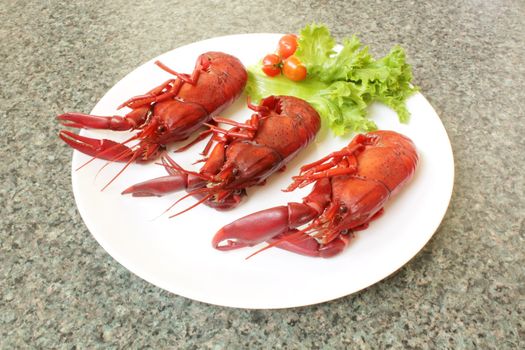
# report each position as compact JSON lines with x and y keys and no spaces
{"x":341,"y":82}
{"x":316,"y":51}
{"x":316,"y":44}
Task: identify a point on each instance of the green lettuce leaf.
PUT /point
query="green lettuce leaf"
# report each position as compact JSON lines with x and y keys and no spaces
{"x":341,"y":82}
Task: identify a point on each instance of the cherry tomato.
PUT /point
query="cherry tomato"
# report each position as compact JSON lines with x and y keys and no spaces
{"x":287,"y":45}
{"x":271,"y":65}
{"x":293,"y":69}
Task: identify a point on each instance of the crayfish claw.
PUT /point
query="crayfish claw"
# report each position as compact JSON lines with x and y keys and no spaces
{"x":99,"y":148}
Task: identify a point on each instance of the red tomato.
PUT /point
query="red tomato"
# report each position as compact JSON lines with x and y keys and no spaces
{"x":271,"y":65}
{"x":293,"y":69}
{"x":287,"y":45}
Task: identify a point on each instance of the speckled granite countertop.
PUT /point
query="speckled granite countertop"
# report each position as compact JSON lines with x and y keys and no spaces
{"x":60,"y":289}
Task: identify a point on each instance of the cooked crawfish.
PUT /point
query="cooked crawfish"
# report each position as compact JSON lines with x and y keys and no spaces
{"x":170,"y":112}
{"x":245,"y":155}
{"x":351,"y":187}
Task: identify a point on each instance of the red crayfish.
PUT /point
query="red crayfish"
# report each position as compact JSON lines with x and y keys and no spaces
{"x":351,"y":188}
{"x":245,"y":155}
{"x":168,"y":113}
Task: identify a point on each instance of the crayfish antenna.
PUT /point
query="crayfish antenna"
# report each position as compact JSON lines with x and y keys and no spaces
{"x":118,"y":157}
{"x":197,"y":191}
{"x":202,"y":200}
{"x":131,"y":160}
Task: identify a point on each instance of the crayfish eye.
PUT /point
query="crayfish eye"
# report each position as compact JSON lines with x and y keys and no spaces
{"x":345,"y":231}
{"x":235,"y":171}
{"x":343,"y":209}
{"x":161,"y":129}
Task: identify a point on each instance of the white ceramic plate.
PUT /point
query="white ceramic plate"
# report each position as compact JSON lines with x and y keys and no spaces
{"x":176,"y":254}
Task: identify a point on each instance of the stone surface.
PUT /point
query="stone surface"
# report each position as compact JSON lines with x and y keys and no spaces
{"x":60,"y":289}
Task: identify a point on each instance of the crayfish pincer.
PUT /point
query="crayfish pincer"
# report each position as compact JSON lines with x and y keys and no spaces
{"x":351,"y":188}
{"x":244,"y":155}
{"x":170,"y":112}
